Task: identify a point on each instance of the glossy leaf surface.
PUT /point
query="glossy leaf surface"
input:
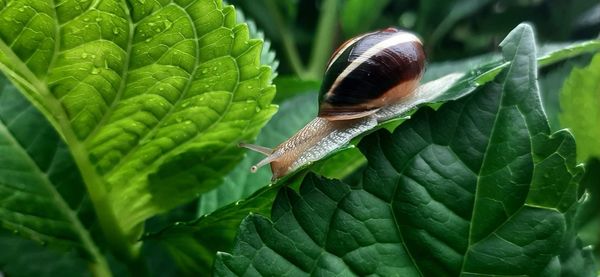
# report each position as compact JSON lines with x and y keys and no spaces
{"x":151,"y":96}
{"x":42,"y":196}
{"x":478,"y":187}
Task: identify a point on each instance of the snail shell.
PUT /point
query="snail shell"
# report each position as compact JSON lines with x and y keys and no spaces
{"x":364,"y":74}
{"x":369,"y":72}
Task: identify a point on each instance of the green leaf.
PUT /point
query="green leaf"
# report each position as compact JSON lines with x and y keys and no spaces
{"x":267,"y":56}
{"x":358,"y":16}
{"x":580,"y":104}
{"x":479,"y":187}
{"x":473,"y":78}
{"x":21,"y":257}
{"x":42,"y":196}
{"x":194,"y":253}
{"x":290,"y":86}
{"x":151,"y":97}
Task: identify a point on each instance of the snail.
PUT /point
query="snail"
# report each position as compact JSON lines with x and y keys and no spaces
{"x":366,"y":73}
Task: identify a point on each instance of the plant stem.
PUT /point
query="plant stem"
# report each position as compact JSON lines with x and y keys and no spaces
{"x":100,"y":269}
{"x":323,"y":43}
{"x":288,"y":40}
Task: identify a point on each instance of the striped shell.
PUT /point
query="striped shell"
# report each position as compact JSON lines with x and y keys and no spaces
{"x":370,"y":71}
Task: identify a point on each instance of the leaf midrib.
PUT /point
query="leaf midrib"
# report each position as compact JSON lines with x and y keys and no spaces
{"x":124,"y":78}
{"x":53,"y":111}
{"x":470,"y":242}
{"x":151,"y":132}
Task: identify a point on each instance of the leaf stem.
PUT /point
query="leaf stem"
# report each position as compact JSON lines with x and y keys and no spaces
{"x":323,"y":43}
{"x":123,"y":246}
{"x":287,"y":39}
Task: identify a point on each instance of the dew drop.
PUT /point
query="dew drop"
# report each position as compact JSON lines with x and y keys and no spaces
{"x":95,"y":71}
{"x":249,"y":87}
{"x":185,"y":105}
{"x":116,"y":31}
{"x":21,"y":9}
{"x":257,"y":109}
{"x":77,"y":8}
{"x":238,"y":202}
{"x":93,"y":56}
{"x":161,"y":89}
{"x":148,"y":39}
{"x":157,"y":29}
{"x":204,"y":71}
{"x":206,"y":86}
{"x":84,"y":55}
{"x":178,"y":223}
{"x":86,"y":19}
{"x":16,"y":232}
{"x":98,"y":19}
{"x":151,"y":24}
{"x":215,"y":68}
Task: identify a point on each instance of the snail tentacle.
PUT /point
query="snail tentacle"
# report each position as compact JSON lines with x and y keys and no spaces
{"x":365,"y":75}
{"x":257,"y":148}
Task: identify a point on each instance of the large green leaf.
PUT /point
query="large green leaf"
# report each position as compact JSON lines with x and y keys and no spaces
{"x":473,"y":78}
{"x":580,"y":103}
{"x":150,"y":96}
{"x":42,"y":196}
{"x":479,"y":187}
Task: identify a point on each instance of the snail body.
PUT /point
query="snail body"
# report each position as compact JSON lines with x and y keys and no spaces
{"x":364,"y":74}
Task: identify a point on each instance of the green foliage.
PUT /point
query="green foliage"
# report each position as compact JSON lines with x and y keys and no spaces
{"x":580,"y":103}
{"x":119,"y":125}
{"x":22,"y":257}
{"x":151,"y":99}
{"x":429,"y":203}
{"x":42,"y":197}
